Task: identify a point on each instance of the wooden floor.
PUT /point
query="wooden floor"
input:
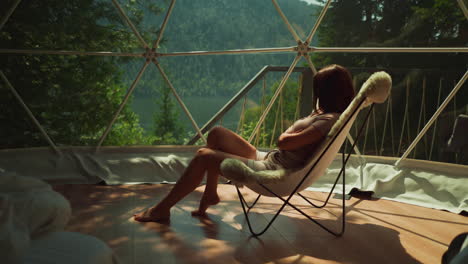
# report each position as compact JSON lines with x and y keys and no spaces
{"x":377,"y":231}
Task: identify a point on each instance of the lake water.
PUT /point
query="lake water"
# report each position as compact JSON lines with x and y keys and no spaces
{"x":202,"y":110}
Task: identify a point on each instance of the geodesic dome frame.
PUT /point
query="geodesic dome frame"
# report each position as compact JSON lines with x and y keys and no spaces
{"x":301,"y":50}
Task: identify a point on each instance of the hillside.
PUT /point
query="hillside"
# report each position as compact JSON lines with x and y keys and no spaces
{"x":222,"y":25}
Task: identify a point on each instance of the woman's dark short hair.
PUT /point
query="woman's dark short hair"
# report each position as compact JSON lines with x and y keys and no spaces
{"x":333,"y":86}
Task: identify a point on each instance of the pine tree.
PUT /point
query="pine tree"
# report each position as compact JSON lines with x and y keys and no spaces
{"x":167,"y":127}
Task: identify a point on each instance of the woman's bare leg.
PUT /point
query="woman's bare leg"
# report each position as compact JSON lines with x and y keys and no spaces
{"x":222,"y":143}
{"x":210,"y":195}
{"x":224,"y":140}
{"x":205,"y":160}
{"x":186,"y":184}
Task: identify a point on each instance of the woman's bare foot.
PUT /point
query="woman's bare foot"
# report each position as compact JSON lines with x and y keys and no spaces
{"x":153,"y":214}
{"x":206,"y":201}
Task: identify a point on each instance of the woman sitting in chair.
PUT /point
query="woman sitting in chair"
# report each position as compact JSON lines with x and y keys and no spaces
{"x":333,"y":92}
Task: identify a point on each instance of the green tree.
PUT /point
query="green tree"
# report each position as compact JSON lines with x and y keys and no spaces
{"x":281,"y":116}
{"x":167,"y":127}
{"x":399,"y":23}
{"x":73,"y":97}
{"x":394,"y":23}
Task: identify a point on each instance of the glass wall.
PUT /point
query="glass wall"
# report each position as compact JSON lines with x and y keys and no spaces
{"x":75,"y":96}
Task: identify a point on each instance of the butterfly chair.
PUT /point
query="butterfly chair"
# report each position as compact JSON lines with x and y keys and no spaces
{"x":285,"y":183}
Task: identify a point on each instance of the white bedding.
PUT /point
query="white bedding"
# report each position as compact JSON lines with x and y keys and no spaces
{"x":32,"y":220}
{"x":29,"y":208}
{"x":69,"y":248}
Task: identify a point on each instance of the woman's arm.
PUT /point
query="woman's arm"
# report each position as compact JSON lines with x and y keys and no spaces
{"x":294,"y":140}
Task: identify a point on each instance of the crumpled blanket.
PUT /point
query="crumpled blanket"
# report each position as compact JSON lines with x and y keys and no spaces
{"x":29,"y":208}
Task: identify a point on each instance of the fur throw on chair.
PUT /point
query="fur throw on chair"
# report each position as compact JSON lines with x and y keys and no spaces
{"x":375,"y":90}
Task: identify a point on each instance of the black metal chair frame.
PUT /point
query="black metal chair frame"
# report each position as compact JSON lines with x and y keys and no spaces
{"x":246,"y":207}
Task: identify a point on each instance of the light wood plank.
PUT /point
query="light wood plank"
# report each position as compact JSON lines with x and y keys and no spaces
{"x":377,"y":231}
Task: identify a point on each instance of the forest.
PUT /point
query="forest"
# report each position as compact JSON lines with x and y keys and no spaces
{"x":75,"y":97}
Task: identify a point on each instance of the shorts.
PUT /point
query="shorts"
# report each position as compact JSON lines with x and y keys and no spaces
{"x":263,"y":162}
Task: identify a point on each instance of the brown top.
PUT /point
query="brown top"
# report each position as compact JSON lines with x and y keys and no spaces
{"x":290,"y":159}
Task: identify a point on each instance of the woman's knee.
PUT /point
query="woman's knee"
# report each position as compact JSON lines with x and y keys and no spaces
{"x":215,"y":134}
{"x":204,"y":154}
